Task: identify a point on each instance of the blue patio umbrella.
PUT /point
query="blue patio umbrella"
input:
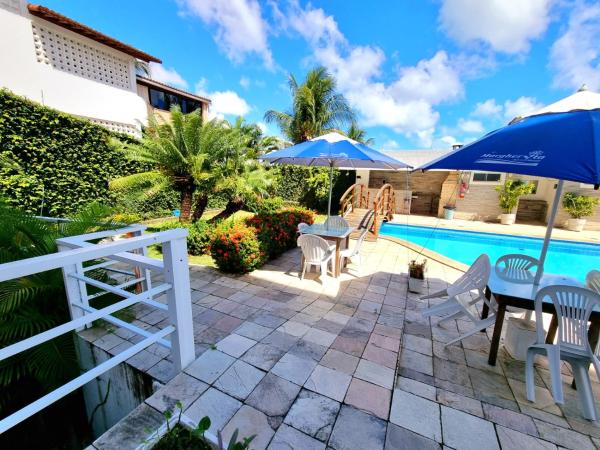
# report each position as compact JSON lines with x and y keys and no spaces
{"x":334,"y":150}
{"x":560,"y":141}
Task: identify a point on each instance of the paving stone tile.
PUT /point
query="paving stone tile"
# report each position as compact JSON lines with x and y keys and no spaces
{"x":384,"y":342}
{"x":296,"y":329}
{"x":329,"y":326}
{"x":268,"y":320}
{"x":239,"y":380}
{"x":369,"y":397}
{"x":511,"y":419}
{"x":380,"y":356}
{"x":218,"y":406}
{"x":399,"y":438}
{"x":340,"y":361}
{"x":333,"y":316}
{"x":263,"y":356}
{"x":464,"y":431}
{"x":355,"y":429}
{"x":461,"y":402}
{"x":479,"y":360}
{"x":450,"y":371}
{"x":375,"y":373}
{"x":328,"y":382}
{"x":417,"y":344}
{"x":306,"y":349}
{"x":133,"y":429}
{"x":348,"y":345}
{"x":416,"y":387}
{"x":209,"y":366}
{"x":319,"y":337}
{"x":253,"y":331}
{"x":515,"y":440}
{"x":294,"y":369}
{"x":228,"y":323}
{"x":235,"y":345}
{"x":163,"y":371}
{"x":280,"y":340}
{"x":243,"y":312}
{"x":543,"y":397}
{"x":273,"y":395}
{"x":143,"y":360}
{"x":313,"y":414}
{"x":182,"y":388}
{"x":209,"y":336}
{"x":451,"y":353}
{"x":563,"y":437}
{"x":288,"y":438}
{"x":249,"y":421}
{"x":388,"y":331}
{"x":416,"y":414}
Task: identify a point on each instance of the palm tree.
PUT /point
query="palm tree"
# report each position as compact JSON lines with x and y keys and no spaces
{"x":359,"y":134}
{"x":316,"y":108}
{"x":181,"y":152}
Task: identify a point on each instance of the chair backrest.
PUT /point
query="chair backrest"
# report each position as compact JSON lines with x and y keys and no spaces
{"x":336,"y":222}
{"x":302,"y":227}
{"x":359,"y":241}
{"x":592,"y":280}
{"x":475,"y":278}
{"x":314,"y":248}
{"x":517,"y":268}
{"x":573,"y":306}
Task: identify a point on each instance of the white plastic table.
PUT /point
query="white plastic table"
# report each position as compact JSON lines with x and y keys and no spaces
{"x":331,"y":234}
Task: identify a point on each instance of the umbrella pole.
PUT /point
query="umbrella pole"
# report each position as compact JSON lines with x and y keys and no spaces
{"x":551,"y":219}
{"x":330,"y":189}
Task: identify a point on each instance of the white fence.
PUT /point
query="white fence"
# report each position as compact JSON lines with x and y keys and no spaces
{"x":127,"y":257}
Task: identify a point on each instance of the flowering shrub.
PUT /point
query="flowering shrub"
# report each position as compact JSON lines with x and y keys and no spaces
{"x":236,"y":249}
{"x":199,"y":237}
{"x":276,"y":231}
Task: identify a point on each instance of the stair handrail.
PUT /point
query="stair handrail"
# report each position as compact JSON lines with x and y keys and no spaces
{"x":352,"y":199}
{"x":384,"y":206}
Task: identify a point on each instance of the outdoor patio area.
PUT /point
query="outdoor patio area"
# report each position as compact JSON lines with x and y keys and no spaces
{"x":350,"y":366}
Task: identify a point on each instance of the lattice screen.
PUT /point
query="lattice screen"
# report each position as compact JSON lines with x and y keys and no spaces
{"x":70,"y":55}
{"x":10,"y":5}
{"x":117,"y":127}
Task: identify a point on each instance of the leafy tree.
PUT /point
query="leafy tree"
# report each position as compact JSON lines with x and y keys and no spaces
{"x":181,"y":152}
{"x":358,"y":134}
{"x":317,"y":108}
{"x":510,"y":191}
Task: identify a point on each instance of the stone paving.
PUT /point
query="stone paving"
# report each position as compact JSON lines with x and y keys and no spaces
{"x":349,"y":364}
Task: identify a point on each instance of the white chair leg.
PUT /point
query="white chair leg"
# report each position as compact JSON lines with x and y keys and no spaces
{"x":584,"y":389}
{"x":555,"y":375}
{"x":324,"y":275}
{"x":303,"y":271}
{"x":530,"y":375}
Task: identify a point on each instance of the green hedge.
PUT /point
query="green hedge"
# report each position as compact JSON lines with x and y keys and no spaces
{"x":65,"y":162}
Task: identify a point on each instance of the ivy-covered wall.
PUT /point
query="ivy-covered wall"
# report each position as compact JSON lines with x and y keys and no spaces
{"x":62,"y":162}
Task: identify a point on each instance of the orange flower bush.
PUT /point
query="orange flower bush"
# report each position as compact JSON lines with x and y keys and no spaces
{"x":236,"y":249}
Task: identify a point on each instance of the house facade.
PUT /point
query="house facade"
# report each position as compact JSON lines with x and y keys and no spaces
{"x":472,"y":193}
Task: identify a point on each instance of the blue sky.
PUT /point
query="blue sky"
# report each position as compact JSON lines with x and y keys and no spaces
{"x":419,"y":73}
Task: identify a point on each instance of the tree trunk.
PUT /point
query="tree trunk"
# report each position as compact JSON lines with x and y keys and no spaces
{"x":201,"y":202}
{"x":185,"y":209}
{"x":232,"y":207}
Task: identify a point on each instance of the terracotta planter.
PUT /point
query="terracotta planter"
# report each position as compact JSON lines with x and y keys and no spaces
{"x":576,"y":224}
{"x":507,"y":219}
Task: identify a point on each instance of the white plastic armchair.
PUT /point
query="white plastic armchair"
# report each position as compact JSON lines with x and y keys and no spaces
{"x":573,"y":306}
{"x":355,"y":251}
{"x":463,"y":296}
{"x":517,"y":268}
{"x":336,"y":222}
{"x":315,"y":252}
{"x":592,"y":280}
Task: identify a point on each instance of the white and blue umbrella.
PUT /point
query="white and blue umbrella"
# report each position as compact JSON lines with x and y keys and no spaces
{"x":559,"y":141}
{"x":334,"y":150}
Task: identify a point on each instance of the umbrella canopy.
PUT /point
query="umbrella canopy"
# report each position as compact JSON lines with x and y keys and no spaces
{"x":334,"y":150}
{"x":559,"y":141}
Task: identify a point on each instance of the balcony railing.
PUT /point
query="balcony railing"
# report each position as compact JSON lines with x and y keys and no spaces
{"x":123,"y":253}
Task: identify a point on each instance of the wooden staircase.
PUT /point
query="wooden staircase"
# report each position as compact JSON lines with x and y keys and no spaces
{"x":360,"y":212}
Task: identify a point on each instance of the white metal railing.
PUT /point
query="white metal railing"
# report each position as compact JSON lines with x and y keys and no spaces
{"x":112,"y":256}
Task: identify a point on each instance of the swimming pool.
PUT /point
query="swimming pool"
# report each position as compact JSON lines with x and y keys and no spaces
{"x":564,"y":257}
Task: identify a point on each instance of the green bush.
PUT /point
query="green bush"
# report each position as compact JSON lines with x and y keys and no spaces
{"x":509,"y":193}
{"x":235,"y":249}
{"x":61,"y":162}
{"x":266,"y":205}
{"x":199,"y":238}
{"x":277,"y":231}
{"x":159,"y":204}
{"x":579,"y":206}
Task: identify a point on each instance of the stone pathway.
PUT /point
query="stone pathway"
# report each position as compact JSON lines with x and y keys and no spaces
{"x":352,"y":365}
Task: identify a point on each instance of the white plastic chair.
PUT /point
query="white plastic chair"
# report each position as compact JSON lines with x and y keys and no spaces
{"x":315,"y":252}
{"x":592,"y":280}
{"x":355,"y":251}
{"x":462,"y":303}
{"x":573,"y":306}
{"x":517,"y":268}
{"x":302,"y":227}
{"x":336,"y":222}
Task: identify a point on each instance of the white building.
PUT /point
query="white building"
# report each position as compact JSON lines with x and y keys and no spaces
{"x":66,"y":65}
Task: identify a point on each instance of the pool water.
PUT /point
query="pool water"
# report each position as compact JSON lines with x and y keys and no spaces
{"x":575,"y":259}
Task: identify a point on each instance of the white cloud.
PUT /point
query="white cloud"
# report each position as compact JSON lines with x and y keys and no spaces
{"x":507,"y":26}
{"x":405,"y":104}
{"x":240,"y":27}
{"x":488,"y":108}
{"x":245,"y":82}
{"x":390,"y":144}
{"x":520,"y":106}
{"x":263,"y":127}
{"x":168,"y":76}
{"x":222,"y":102}
{"x":470,"y":126}
{"x":575,"y":56}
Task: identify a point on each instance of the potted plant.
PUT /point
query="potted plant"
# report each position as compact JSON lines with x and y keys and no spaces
{"x":449,"y":212}
{"x":508,"y":196}
{"x":416,"y":276}
{"x":578,"y":206}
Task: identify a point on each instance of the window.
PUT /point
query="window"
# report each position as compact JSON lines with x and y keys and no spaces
{"x":486,"y":177}
{"x":164,"y":100}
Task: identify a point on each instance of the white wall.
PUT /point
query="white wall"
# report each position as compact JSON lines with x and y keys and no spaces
{"x":21,"y":73}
